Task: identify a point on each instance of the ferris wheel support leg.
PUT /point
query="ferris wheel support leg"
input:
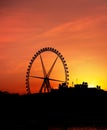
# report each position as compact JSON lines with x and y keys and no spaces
{"x":40,"y":91}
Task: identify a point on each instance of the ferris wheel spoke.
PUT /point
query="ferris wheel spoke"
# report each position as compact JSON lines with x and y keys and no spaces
{"x":37,"y":77}
{"x":56,"y":80}
{"x":43,"y":67}
{"x":52,"y":67}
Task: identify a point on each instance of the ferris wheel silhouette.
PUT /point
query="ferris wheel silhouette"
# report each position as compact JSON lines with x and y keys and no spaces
{"x":46,"y":79}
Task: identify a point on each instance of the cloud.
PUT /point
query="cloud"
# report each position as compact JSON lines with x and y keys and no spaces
{"x":77,"y":29}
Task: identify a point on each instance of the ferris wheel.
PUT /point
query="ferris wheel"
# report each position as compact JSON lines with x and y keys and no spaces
{"x":52,"y":59}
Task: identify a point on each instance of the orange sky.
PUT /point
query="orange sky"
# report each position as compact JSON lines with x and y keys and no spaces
{"x":77,"y":28}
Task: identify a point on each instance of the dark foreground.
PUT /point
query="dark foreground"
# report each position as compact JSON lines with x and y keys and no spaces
{"x":63,"y":108}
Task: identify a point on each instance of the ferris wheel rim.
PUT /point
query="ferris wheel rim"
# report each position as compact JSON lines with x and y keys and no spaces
{"x":51,"y":49}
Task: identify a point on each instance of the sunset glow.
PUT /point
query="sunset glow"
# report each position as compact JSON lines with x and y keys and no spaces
{"x":77,"y":29}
